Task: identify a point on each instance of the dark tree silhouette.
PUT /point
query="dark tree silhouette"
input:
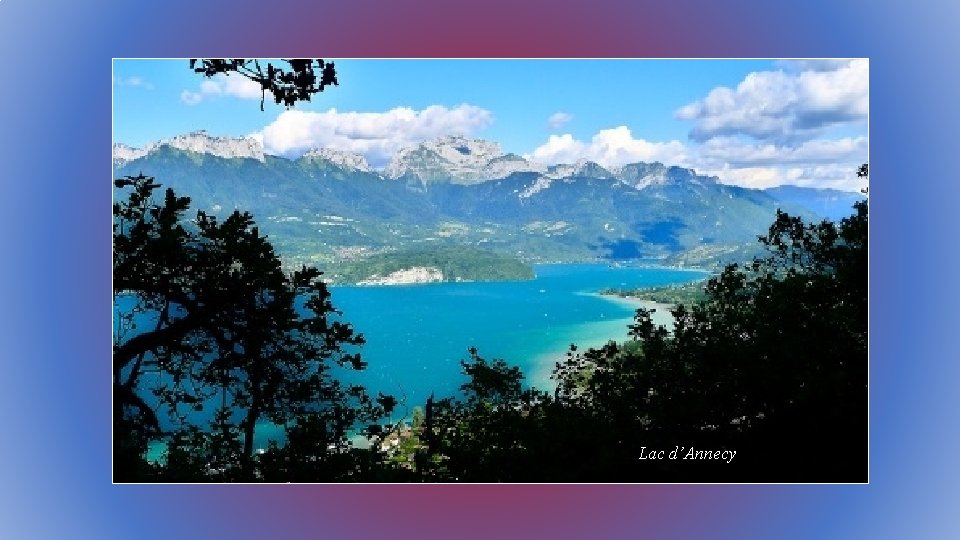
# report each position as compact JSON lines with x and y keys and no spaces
{"x":205,"y":307}
{"x":772,"y":364}
{"x":302,"y":77}
{"x":484,"y":435}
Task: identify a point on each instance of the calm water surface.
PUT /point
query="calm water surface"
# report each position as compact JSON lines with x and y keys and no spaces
{"x":416,"y":335}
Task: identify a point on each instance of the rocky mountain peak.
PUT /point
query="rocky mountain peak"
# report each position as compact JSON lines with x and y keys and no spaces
{"x":123,"y":153}
{"x":642,"y":175}
{"x":340,"y":158}
{"x":226,"y":147}
{"x":581,"y":167}
{"x":195,"y":141}
{"x":456,"y":159}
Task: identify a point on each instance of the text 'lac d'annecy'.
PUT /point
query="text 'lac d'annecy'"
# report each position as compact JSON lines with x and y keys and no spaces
{"x":682,"y":452}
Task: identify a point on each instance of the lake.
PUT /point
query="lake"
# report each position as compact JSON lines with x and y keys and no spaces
{"x":416,"y":335}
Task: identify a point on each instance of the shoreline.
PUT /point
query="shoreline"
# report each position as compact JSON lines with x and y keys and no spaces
{"x":626,"y":265}
{"x":602,"y":332}
{"x":661,"y":311}
{"x":400,"y":277}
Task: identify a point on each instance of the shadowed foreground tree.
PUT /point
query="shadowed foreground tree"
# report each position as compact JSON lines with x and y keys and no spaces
{"x":210,"y":329}
{"x":484,"y":435}
{"x":771,"y":364}
{"x":298,"y":81}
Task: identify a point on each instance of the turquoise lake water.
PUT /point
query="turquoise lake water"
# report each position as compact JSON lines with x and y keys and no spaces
{"x":416,"y":335}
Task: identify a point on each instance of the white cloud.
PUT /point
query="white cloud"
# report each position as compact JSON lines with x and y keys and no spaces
{"x":559,"y":149}
{"x":736,"y":152}
{"x":375,"y":135}
{"x":814,"y":163}
{"x":133,"y":81}
{"x":784,"y":106}
{"x":813,"y":64}
{"x":840,"y":176}
{"x":837,"y":176}
{"x":222,"y":85}
{"x":559,"y":119}
{"x":610,"y":148}
{"x":191,"y":98}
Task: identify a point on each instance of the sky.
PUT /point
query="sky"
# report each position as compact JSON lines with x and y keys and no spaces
{"x":754,"y":123}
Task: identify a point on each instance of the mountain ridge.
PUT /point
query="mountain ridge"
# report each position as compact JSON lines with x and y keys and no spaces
{"x":452,"y":159}
{"x":319,"y":208}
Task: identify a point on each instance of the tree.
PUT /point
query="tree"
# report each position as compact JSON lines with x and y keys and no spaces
{"x":299,"y":82}
{"x":773,"y":363}
{"x":484,"y":435}
{"x":227,"y":331}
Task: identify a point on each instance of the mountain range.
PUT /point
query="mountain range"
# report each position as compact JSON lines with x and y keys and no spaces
{"x":329,"y":205}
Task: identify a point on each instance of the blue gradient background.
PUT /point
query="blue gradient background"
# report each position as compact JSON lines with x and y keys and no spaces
{"x":55,"y":269}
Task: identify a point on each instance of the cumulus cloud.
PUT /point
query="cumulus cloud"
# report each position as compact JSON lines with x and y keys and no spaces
{"x":559,"y":149}
{"x":813,"y":64}
{"x":610,"y":148}
{"x":559,"y":119}
{"x":738,"y":153}
{"x":784,"y":106}
{"x":840,"y":176}
{"x":222,"y":85}
{"x":375,"y":135}
{"x":814,"y":163}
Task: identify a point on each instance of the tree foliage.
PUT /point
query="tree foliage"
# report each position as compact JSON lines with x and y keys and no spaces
{"x":209,"y":327}
{"x":482,"y":435}
{"x":772,"y":363}
{"x":299,"y":81}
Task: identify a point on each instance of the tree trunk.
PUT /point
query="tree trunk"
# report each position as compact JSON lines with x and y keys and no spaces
{"x":250,"y":426}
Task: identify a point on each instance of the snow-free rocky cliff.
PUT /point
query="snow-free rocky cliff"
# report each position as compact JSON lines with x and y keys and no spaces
{"x":340,"y":158}
{"x":451,"y":159}
{"x":457,"y":160}
{"x":468,"y":192}
{"x":197,"y":141}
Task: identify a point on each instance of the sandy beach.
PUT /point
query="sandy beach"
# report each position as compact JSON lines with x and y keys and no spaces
{"x":661,"y":316}
{"x":596,"y":334}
